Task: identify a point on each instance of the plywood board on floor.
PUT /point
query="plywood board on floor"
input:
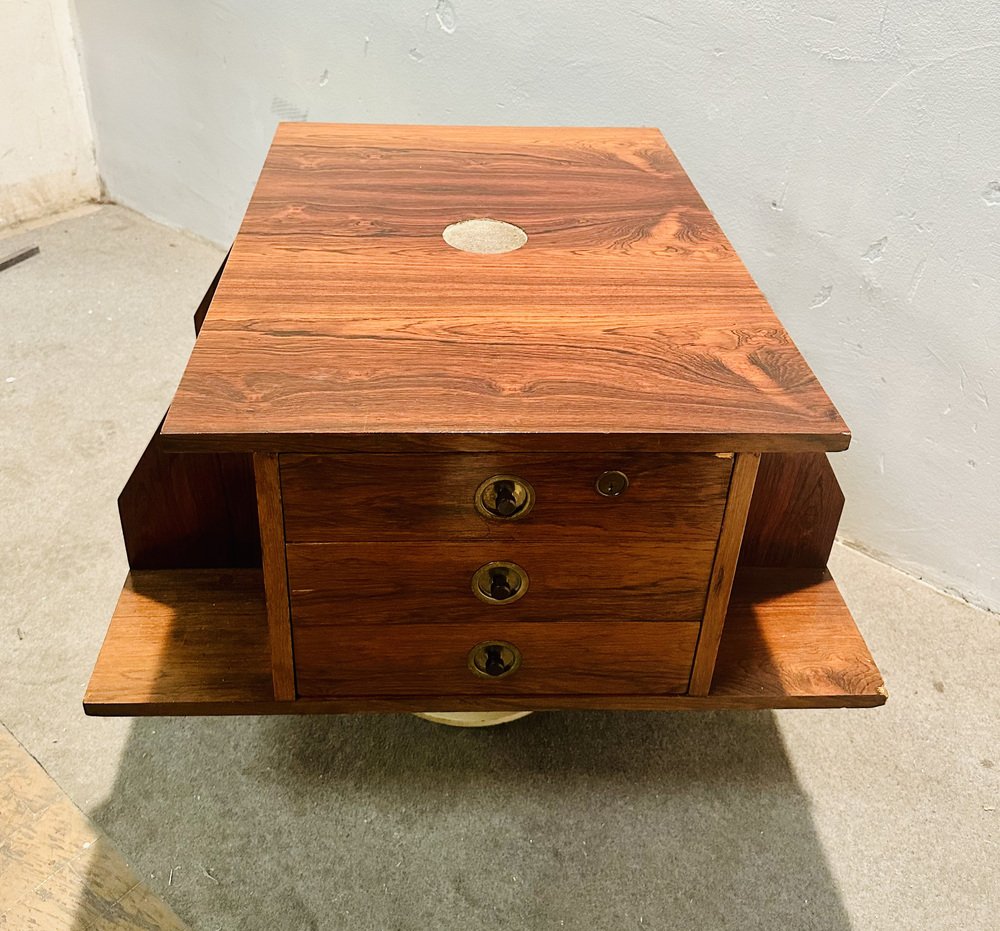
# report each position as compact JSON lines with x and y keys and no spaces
{"x":57,"y":870}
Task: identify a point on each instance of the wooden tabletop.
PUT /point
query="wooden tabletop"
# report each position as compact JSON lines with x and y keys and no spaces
{"x":345,"y":321}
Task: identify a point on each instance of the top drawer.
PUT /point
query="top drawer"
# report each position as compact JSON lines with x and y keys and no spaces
{"x":362,"y":497}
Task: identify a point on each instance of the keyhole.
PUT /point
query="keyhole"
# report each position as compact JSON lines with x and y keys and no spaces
{"x":612,"y":484}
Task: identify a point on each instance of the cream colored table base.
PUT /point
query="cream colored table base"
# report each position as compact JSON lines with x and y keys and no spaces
{"x":471,"y":718}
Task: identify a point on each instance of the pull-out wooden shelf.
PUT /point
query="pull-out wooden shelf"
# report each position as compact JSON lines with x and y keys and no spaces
{"x":194,"y":641}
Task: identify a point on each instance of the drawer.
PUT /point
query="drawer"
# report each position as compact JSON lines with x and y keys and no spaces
{"x":396,"y":583}
{"x":680,"y":496}
{"x":552,"y":659}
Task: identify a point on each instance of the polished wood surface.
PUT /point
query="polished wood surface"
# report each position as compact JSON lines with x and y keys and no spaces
{"x":403,"y":497}
{"x":374,"y":376}
{"x":343,"y":321}
{"x":556,"y":659}
{"x":190,"y":510}
{"x":199,"y":635}
{"x":195,"y":642}
{"x":272,"y":538}
{"x":397,"y":583}
{"x":724,"y":570}
{"x":789,"y":633}
{"x":794,"y":512}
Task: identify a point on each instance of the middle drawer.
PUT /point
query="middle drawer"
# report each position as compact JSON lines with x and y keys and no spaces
{"x":385,"y":583}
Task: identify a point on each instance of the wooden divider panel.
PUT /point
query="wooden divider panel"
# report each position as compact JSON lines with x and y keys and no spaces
{"x":272,"y":534}
{"x":723,"y":571}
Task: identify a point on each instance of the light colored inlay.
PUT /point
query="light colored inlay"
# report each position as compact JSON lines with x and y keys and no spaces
{"x":485,"y":236}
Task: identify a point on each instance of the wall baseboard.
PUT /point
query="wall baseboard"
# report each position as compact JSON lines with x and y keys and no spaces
{"x":46,"y":194}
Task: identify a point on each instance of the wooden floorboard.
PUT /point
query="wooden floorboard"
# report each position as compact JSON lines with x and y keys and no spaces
{"x":195,"y":642}
{"x":57,"y":870}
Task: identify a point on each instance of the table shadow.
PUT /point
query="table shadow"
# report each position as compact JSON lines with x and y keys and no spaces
{"x":563,"y":819}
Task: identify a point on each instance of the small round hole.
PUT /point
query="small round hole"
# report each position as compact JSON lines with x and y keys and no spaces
{"x":484,"y":236}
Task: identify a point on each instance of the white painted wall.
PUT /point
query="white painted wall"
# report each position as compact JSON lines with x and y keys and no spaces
{"x":851,"y":150}
{"x":46,"y":147}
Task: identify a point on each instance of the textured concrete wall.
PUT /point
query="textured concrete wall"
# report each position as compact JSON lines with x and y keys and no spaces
{"x":46,"y":147}
{"x":849,"y":149}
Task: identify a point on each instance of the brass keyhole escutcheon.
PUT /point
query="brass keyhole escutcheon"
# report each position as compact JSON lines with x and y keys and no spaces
{"x":499,"y":583}
{"x":505,"y":497}
{"x":494,"y":659}
{"x":612,"y":484}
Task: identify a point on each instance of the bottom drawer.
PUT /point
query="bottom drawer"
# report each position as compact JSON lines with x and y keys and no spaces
{"x":558,"y":658}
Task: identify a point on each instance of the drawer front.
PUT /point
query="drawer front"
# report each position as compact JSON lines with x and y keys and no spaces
{"x":677,"y":496}
{"x":552,"y":659}
{"x":399,"y":583}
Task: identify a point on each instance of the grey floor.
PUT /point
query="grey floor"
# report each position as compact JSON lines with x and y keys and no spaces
{"x":799,"y":820}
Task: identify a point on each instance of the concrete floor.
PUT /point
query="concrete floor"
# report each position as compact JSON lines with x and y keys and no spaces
{"x":801,"y":820}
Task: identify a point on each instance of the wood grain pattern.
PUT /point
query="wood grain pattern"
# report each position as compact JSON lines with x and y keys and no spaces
{"x":397,"y":583}
{"x":344,"y":321}
{"x":190,"y":510}
{"x":724,"y":570}
{"x":57,"y":870}
{"x":431,"y":659}
{"x":194,"y":642}
{"x":272,"y":538}
{"x":200,"y":634}
{"x":431,"y":497}
{"x":789,"y":633}
{"x":794,"y":512}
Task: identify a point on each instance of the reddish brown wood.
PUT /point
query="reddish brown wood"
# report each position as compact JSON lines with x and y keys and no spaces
{"x":574,"y":443}
{"x":194,"y":642}
{"x":794,"y":513}
{"x":395,"y":583}
{"x":431,"y":497}
{"x":197,"y":636}
{"x":723,"y":570}
{"x":190,"y":510}
{"x":789,"y":633}
{"x":344,"y":321}
{"x":432,"y":659}
{"x":272,"y":538}
{"x":625,"y":334}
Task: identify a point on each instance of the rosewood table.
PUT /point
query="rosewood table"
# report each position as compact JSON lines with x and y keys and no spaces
{"x":483,"y":419}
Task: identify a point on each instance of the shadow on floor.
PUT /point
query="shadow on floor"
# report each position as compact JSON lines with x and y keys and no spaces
{"x":571,"y":819}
